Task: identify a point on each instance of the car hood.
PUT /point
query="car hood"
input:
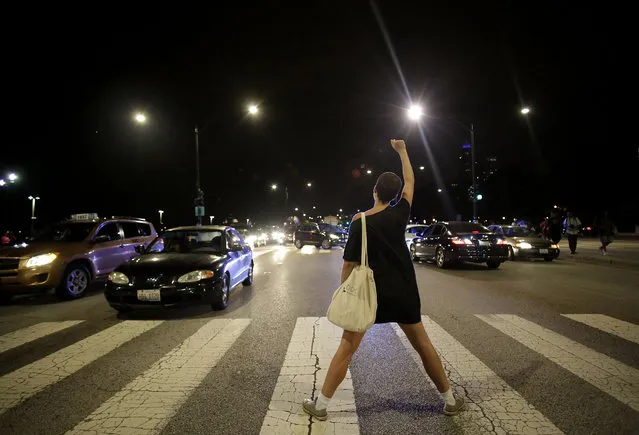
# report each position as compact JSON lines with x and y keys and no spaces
{"x":170,"y":263}
{"x":32,"y":249}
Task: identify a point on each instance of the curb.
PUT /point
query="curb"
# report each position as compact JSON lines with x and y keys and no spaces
{"x":602,"y":261}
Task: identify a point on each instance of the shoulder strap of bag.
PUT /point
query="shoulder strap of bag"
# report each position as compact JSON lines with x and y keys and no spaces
{"x":364,"y":260}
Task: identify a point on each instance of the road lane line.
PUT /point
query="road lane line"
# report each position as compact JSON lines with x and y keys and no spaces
{"x":33,"y":332}
{"x":609,"y":375}
{"x":492,"y":405}
{"x":147,"y":403}
{"x":27,"y":381}
{"x":626,"y":330}
{"x":312,"y":346}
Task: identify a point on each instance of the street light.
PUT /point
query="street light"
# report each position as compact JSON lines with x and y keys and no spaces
{"x":309,"y":184}
{"x":2,"y":183}
{"x":211,"y":220}
{"x":161,"y":213}
{"x":140,"y":118}
{"x":12,"y":177}
{"x":297,"y":209}
{"x":525,"y":111}
{"x":253,"y":109}
{"x":33,"y":200}
{"x":421,"y":168}
{"x":274,"y":187}
{"x":369,"y":171}
{"x":415,"y":112}
{"x":439,"y":191}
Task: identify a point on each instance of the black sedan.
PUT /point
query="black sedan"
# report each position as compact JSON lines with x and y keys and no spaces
{"x":187,"y":264}
{"x":448,"y":243}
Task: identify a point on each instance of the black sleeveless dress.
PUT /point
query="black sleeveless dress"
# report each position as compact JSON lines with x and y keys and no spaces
{"x":388,"y":256}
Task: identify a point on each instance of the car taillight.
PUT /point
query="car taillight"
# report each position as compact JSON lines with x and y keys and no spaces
{"x":458,"y":241}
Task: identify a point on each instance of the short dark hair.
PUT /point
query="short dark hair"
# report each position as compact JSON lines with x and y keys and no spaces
{"x":388,"y":186}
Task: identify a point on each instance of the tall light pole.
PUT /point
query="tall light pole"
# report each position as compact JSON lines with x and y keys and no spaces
{"x":161,"y":212}
{"x":472,"y":169}
{"x":211,"y":220}
{"x":33,"y":200}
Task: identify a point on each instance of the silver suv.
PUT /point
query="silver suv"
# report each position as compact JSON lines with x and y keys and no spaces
{"x":70,"y":254}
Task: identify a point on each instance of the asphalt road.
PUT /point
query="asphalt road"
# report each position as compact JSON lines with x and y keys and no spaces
{"x":535,"y":347}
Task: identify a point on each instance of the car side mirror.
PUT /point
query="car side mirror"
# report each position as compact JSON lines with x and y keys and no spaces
{"x":140,"y":249}
{"x":101,"y":239}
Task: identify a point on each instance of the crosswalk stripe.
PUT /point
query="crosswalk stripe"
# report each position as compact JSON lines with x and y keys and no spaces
{"x":492,"y":405}
{"x":609,"y":375}
{"x":19,"y":385}
{"x":626,"y":330}
{"x":148,"y":402}
{"x":32,"y":333}
{"x":312,"y":346}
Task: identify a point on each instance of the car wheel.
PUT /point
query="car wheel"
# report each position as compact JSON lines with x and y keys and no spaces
{"x":440,"y":258}
{"x":511,"y":254}
{"x":493,"y":264}
{"x":249,"y":278}
{"x":298,"y":244}
{"x":548,"y":259}
{"x":75,"y":282}
{"x":413,"y":253}
{"x":326,"y":244}
{"x":221,"y":296}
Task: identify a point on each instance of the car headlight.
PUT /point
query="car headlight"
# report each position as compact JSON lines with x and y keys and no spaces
{"x":195,"y":276}
{"x":41,"y":260}
{"x":524,"y":245}
{"x":334,"y":237}
{"x":118,"y":278}
{"x":553,"y":246}
{"x":251,"y":239}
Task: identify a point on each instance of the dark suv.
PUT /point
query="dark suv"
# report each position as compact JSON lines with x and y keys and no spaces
{"x":311,"y":234}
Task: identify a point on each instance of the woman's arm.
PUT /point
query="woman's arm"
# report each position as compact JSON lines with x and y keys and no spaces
{"x":347,"y":268}
{"x":407,"y":170}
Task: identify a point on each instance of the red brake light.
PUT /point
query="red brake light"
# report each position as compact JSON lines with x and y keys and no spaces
{"x":476,"y":232}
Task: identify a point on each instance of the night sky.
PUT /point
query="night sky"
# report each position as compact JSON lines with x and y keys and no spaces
{"x":330,"y":98}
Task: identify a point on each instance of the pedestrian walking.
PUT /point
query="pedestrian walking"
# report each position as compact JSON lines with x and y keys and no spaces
{"x":396,"y":285}
{"x":572,"y":225}
{"x":606,"y":230}
{"x":555,"y":227}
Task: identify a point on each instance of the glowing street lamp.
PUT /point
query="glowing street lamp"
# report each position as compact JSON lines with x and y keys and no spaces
{"x":525,"y":110}
{"x":439,"y":191}
{"x":421,"y":168}
{"x":2,"y":183}
{"x":369,"y":172}
{"x":140,"y":118}
{"x":253,"y":109}
{"x":309,"y":184}
{"x":211,"y":219}
{"x":161,"y":212}
{"x":274,"y":187}
{"x":12,"y":178}
{"x":415,"y":112}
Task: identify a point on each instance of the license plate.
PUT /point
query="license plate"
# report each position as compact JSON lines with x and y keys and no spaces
{"x":543,"y":251}
{"x":149,"y":295}
{"x":484,"y":243}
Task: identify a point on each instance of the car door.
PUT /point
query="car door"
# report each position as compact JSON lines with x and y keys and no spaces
{"x":108,"y":248}
{"x":234,"y":266}
{"x":246,"y":253}
{"x":421,"y":244}
{"x":433,"y":240}
{"x":132,"y":239}
{"x":316,"y":235}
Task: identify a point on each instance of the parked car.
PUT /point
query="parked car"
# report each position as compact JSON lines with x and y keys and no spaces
{"x":200,"y":264}
{"x":70,"y":254}
{"x":448,"y":243}
{"x":524,"y":243}
{"x":311,"y":234}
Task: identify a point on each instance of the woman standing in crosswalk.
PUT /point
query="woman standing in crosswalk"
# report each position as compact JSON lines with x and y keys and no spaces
{"x":397,"y":293}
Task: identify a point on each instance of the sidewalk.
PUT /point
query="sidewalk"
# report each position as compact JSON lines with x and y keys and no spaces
{"x":623,"y":253}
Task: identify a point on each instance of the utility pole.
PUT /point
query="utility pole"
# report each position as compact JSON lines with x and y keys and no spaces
{"x":472,"y":170}
{"x":199,"y":194}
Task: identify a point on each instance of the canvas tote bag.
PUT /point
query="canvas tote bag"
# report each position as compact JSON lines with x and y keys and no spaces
{"x":354,"y":304}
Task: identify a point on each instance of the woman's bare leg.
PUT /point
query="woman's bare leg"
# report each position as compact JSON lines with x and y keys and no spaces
{"x":340,"y":362}
{"x":418,"y":337}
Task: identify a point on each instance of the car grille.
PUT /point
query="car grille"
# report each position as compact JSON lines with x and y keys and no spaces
{"x":151,"y":281}
{"x":9,"y":266}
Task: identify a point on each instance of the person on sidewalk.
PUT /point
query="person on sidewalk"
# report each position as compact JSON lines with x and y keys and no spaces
{"x":554,"y":227}
{"x":572,"y":225}
{"x":606,"y":230}
{"x":396,"y":283}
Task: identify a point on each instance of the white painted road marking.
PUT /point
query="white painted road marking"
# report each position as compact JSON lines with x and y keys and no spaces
{"x":626,"y":330}
{"x":32,"y":333}
{"x":609,"y":375}
{"x":146,"y":404}
{"x":18,"y":386}
{"x":312,"y":346}
{"x":492,"y":405}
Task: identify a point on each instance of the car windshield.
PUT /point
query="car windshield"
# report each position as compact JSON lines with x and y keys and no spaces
{"x":467,"y":227}
{"x":188,"y":242}
{"x":518,"y":231}
{"x":66,"y":232}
